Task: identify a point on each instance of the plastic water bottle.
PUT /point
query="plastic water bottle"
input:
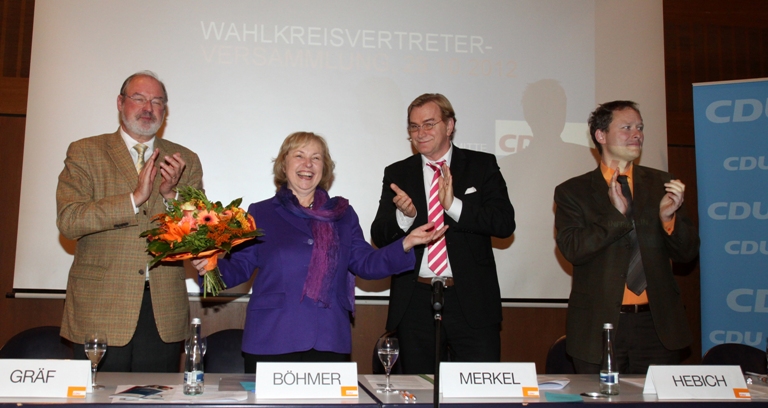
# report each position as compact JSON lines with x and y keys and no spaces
{"x":193,"y":367}
{"x":609,"y":372}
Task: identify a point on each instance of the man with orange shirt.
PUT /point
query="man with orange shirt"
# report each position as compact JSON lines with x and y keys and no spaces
{"x":620,"y":226}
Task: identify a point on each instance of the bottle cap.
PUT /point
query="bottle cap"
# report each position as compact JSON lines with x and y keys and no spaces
{"x":607,"y":326}
{"x":196,"y":320}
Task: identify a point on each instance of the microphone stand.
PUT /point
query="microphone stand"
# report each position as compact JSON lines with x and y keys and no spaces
{"x":438,"y":285}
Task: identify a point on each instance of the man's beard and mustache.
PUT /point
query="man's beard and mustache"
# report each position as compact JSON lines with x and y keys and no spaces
{"x":135,"y":125}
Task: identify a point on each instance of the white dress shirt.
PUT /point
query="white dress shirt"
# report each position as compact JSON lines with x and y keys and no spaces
{"x":454,"y":212}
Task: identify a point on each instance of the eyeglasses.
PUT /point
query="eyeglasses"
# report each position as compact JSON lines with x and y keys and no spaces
{"x":414,"y":128}
{"x":141,"y":101}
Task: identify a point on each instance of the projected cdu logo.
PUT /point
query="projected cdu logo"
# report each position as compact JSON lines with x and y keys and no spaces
{"x":738,"y":110}
{"x":513,"y":136}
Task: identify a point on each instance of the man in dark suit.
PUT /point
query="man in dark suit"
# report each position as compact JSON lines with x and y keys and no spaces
{"x":620,"y":226}
{"x":469,"y":195}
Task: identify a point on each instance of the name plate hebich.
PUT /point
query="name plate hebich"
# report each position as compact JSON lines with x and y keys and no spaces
{"x":489,"y":380}
{"x":306,"y":380}
{"x":45,"y":378}
{"x":696,"y":382}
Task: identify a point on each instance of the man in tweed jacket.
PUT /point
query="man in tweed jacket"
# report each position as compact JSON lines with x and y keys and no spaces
{"x":107,"y":195}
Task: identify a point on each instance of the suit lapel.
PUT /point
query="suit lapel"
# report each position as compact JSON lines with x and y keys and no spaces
{"x":414,"y":179}
{"x":600,"y":190}
{"x":159,"y":144}
{"x":640,"y":195}
{"x":458,"y":165}
{"x":119,"y":155}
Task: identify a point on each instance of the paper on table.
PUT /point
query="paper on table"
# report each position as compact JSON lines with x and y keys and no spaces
{"x":759,"y":391}
{"x":209,"y":395}
{"x":552,"y":383}
{"x":240,"y":382}
{"x":553,"y":397}
{"x":636,"y":381}
{"x":755,"y":378}
{"x":136,"y":393}
{"x":400,"y":382}
{"x":176,"y":395}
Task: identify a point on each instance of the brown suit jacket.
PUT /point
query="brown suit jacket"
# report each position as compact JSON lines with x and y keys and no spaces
{"x":106,"y":280}
{"x":593,"y":236}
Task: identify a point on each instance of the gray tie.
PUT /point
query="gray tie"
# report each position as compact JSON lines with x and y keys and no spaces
{"x":635,"y":273}
{"x":140,"y":148}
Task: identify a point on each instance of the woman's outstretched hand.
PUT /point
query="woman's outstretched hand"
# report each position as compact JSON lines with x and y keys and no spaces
{"x":423,"y":235}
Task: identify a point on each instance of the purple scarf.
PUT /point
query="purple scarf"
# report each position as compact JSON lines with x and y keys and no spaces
{"x":323,"y":215}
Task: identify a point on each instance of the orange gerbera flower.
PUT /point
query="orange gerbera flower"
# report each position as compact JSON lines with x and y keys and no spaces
{"x":207,"y":217}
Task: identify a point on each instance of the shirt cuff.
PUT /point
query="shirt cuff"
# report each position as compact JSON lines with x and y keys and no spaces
{"x":455,"y":211}
{"x":403,"y":221}
{"x":669,"y":226}
{"x":133,"y":204}
{"x":168,"y":206}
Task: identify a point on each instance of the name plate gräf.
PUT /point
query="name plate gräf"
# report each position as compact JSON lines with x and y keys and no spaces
{"x":696,"y":382}
{"x":45,"y":378}
{"x":489,"y":380}
{"x":306,"y":380}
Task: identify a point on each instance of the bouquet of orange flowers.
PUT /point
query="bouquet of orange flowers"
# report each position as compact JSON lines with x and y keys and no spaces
{"x":193,"y":227}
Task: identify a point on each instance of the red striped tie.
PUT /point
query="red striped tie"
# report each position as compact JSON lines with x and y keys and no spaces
{"x":437,"y":257}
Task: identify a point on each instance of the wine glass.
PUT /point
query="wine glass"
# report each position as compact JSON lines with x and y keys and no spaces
{"x":95,"y":346}
{"x":388,"y":351}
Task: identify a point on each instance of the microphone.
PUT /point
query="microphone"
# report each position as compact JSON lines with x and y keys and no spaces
{"x":438,"y":284}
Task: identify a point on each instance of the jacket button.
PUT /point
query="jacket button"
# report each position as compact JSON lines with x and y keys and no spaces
{"x":310,"y":241}
{"x":141,"y":271}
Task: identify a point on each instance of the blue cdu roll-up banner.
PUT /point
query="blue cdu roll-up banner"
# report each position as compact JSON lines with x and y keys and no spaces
{"x":731,"y":123}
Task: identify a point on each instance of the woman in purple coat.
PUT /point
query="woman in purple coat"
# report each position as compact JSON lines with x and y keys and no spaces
{"x":303,"y":293}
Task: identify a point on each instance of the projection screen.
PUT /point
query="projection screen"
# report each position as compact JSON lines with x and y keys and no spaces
{"x":241,"y":75}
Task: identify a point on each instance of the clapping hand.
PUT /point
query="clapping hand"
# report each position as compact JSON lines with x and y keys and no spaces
{"x":146,"y":180}
{"x":170,"y":170}
{"x":403,"y":202}
{"x":671,"y":201}
{"x":615,"y":195}
{"x":445,"y":187}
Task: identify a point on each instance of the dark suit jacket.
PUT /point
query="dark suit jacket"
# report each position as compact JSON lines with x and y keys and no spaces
{"x":106,"y":280}
{"x":486,"y":212}
{"x":593,"y":236}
